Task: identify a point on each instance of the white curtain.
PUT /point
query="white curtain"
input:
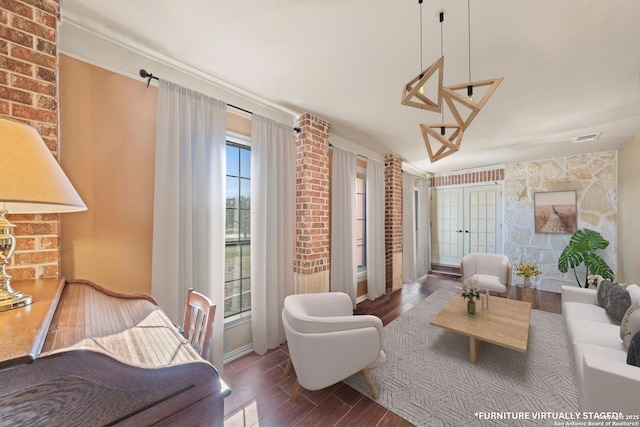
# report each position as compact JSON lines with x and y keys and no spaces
{"x":423,"y":255}
{"x":376,"y":271}
{"x":408,"y":228}
{"x":189,"y":204}
{"x":272,"y":227}
{"x":343,"y":218}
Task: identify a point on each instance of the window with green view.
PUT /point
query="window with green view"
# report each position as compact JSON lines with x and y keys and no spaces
{"x":237,"y":285}
{"x":361,"y":221}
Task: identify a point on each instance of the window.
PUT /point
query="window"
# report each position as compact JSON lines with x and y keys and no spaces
{"x":361,"y":221}
{"x":237,"y":281}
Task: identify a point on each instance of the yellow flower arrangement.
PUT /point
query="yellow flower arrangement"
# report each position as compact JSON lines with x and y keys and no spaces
{"x":526,"y":269}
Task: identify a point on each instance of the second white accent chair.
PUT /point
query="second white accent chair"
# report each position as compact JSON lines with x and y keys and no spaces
{"x":492,"y":271}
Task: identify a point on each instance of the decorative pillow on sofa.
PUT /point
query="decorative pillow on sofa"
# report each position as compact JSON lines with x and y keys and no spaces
{"x":617,"y":302}
{"x":633,"y":354}
{"x":630,"y":323}
{"x":603,"y":290}
{"x":634,"y":292}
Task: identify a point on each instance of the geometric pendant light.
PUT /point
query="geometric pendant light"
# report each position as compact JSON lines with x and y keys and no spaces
{"x":453,"y":94}
{"x":413,"y":92}
{"x":444,"y":146}
{"x":442,"y":140}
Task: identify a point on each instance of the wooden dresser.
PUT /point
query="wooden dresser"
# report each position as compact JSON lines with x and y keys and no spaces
{"x":82,"y":355}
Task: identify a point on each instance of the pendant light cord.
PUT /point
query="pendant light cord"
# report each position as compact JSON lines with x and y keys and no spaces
{"x":420,"y":3}
{"x":441,"y":17}
{"x":469,"y":33}
{"x":441,"y":34}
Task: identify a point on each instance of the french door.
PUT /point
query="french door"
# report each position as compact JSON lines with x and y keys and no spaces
{"x":463,"y":220}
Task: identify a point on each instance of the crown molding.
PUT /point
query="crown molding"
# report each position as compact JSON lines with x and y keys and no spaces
{"x":109,"y":35}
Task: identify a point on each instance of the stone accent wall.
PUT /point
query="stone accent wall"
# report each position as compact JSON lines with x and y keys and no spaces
{"x":594,"y":177}
{"x":393,"y":221}
{"x":312,"y":238}
{"x":29,"y":93}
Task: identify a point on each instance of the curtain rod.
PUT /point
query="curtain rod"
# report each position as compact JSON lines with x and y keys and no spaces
{"x":359,"y":155}
{"x":146,"y":75}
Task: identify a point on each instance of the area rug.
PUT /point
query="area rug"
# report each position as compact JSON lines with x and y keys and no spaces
{"x":429,"y":381}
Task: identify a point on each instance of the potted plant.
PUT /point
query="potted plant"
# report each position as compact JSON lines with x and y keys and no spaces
{"x":582,"y":248}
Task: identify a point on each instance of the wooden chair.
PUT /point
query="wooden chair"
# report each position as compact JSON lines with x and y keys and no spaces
{"x":198,"y":322}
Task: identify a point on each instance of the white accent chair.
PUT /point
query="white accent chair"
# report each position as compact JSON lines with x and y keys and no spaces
{"x":492,"y":271}
{"x":327,"y":343}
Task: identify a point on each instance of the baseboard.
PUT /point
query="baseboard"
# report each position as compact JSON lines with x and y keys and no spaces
{"x":445,"y":270}
{"x":361,"y":298}
{"x":237,"y":353}
{"x":445,"y":274}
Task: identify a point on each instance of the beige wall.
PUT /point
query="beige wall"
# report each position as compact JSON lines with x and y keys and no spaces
{"x":107,"y":143}
{"x":629,"y":212}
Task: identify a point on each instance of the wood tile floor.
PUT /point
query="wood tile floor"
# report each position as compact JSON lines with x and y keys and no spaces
{"x":260,"y":391}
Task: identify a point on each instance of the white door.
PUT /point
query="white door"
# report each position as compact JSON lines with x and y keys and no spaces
{"x":463,"y":220}
{"x":447,"y":218}
{"x":483,"y":218}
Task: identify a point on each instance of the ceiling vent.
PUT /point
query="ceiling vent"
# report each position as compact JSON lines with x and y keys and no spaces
{"x":586,"y":138}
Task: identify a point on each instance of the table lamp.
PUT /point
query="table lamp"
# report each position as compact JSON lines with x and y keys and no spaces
{"x":31,"y":181}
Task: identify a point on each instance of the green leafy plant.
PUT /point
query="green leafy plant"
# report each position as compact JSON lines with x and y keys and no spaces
{"x":581,"y":249}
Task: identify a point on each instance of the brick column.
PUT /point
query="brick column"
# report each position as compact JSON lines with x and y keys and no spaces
{"x":29,"y":93}
{"x":312,"y":241}
{"x":393,"y":220}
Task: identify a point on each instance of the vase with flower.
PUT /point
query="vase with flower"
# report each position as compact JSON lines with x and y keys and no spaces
{"x":527,"y":270}
{"x":470,"y":291}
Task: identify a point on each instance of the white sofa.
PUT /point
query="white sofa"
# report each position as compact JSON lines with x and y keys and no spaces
{"x":604,"y":379}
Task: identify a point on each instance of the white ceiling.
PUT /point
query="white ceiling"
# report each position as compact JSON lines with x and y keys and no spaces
{"x":570,"y":67}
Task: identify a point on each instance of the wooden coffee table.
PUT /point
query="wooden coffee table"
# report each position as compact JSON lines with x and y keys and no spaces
{"x":505,"y":323}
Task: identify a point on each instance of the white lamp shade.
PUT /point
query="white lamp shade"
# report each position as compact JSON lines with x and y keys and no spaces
{"x":31,"y":180}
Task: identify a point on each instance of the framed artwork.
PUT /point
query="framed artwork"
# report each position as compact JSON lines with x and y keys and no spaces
{"x":556,"y":212}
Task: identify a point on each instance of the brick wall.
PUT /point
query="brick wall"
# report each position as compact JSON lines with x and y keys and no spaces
{"x":312,"y":241}
{"x":467,"y":178}
{"x":393,"y":220}
{"x":29,"y":93}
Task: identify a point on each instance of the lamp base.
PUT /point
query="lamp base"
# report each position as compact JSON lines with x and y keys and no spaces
{"x":9,"y":299}
{"x":13,"y":299}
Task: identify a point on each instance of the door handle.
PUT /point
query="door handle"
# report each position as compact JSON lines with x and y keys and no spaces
{"x":459,"y":231}
{"x":466,"y":231}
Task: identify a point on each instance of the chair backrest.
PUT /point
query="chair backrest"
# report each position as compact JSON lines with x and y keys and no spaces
{"x":486,"y":263}
{"x":318,"y":312}
{"x":198,"y":322}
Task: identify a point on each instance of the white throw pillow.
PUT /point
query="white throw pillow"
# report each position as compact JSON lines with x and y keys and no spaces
{"x":630,"y":323}
{"x":634,"y":292}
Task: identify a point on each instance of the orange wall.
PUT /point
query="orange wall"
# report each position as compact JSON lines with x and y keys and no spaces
{"x":107,"y":144}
